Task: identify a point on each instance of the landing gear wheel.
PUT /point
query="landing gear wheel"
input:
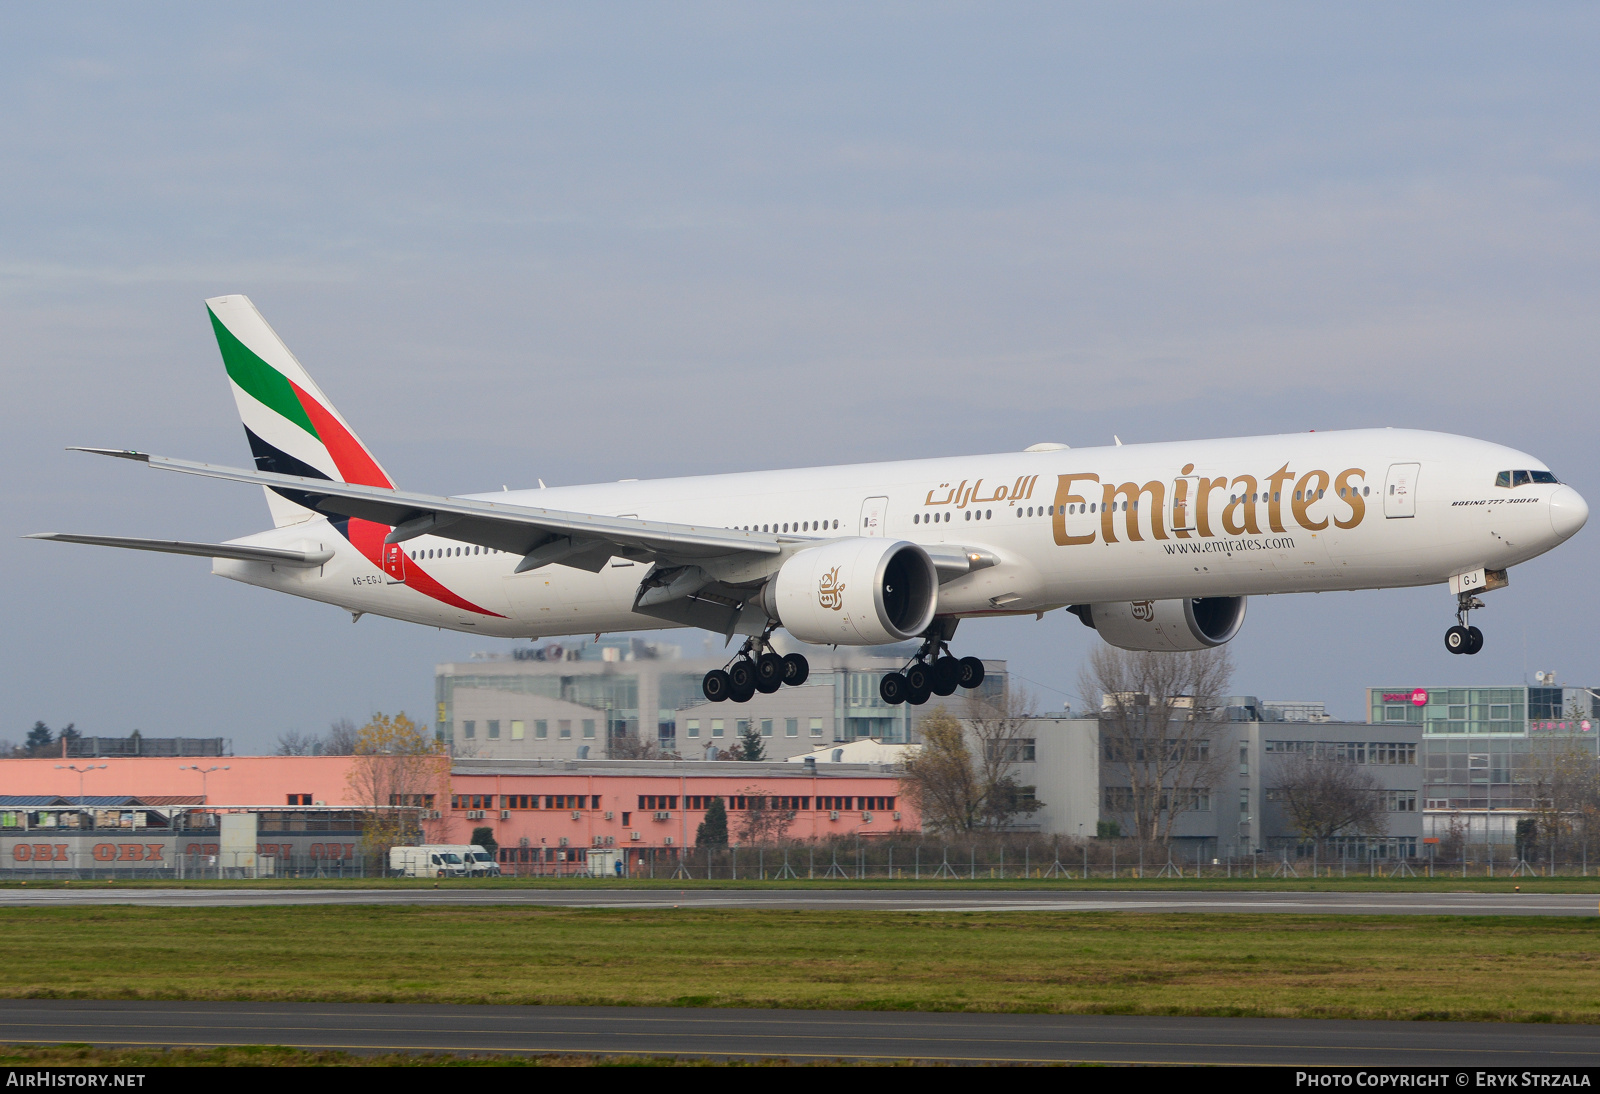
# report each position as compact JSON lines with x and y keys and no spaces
{"x":946,"y":675}
{"x":917,"y":696}
{"x":743,"y":695}
{"x":769,"y":673}
{"x":892,"y":689}
{"x":919,"y":678}
{"x":1474,"y":640}
{"x":971,"y":672}
{"x":795,"y":669}
{"x":717,"y":686}
{"x":1457,"y":639}
{"x":742,"y":674}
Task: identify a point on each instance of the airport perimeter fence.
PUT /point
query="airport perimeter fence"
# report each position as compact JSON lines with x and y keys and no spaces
{"x":1087,"y":860}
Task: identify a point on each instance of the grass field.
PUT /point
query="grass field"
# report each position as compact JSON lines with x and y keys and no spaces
{"x":1403,"y":967}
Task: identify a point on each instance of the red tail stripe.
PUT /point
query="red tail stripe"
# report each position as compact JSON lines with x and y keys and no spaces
{"x":353,"y":461}
{"x":367,"y":537}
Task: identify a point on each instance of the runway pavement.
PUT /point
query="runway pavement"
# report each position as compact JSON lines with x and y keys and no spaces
{"x":800,"y":1035}
{"x":866,"y":899}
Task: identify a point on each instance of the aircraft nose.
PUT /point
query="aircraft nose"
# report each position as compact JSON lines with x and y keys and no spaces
{"x":1568,"y":512}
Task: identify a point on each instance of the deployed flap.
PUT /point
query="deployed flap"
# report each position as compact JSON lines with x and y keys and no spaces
{"x":242,"y":551}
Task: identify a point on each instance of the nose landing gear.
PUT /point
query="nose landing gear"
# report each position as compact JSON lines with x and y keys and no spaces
{"x":751,"y":671}
{"x":1462,"y":638}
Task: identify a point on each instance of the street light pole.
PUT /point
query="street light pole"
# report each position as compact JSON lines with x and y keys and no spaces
{"x":82,"y":771}
{"x":204,"y":771}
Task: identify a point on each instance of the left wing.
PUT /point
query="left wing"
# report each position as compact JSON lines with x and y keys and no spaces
{"x":540,"y":536}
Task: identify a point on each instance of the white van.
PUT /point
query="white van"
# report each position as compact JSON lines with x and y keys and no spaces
{"x":430,"y":860}
{"x":478,"y":862}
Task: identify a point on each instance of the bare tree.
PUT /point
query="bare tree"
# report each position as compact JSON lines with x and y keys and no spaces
{"x":638,"y":748}
{"x":1161,"y":733}
{"x":998,"y":728}
{"x":341,"y":739}
{"x":1563,"y":779}
{"x":1323,"y":796}
{"x":763,"y":819}
{"x":295,"y":743}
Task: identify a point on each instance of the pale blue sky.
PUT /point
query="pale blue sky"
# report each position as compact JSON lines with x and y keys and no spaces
{"x":589,"y":242}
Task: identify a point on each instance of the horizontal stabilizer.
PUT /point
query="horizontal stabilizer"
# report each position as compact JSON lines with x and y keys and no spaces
{"x":242,"y":552}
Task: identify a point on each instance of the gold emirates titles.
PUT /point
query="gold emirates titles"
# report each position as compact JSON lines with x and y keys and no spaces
{"x":1194,"y":507}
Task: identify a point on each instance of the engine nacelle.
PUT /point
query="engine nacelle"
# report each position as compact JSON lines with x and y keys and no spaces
{"x":855,"y":592}
{"x":1166,"y":625}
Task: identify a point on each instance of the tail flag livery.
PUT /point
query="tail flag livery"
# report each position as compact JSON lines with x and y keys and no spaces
{"x":294,"y":430}
{"x":292,"y":427}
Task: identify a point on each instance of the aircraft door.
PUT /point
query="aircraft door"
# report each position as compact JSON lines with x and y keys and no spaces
{"x":1400,"y":492}
{"x":394,"y":563}
{"x":1185,"y":499}
{"x":874,"y":515}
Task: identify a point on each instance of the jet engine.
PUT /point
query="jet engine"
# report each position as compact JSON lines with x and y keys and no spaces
{"x":1165,"y":625}
{"x":854,"y":592}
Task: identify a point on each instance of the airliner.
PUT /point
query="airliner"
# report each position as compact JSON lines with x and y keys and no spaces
{"x":1155,"y":546}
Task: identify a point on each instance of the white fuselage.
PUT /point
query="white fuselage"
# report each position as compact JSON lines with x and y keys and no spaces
{"x":1243,"y":516}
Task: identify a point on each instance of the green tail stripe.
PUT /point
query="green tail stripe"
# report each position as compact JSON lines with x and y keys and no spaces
{"x":264,"y":383}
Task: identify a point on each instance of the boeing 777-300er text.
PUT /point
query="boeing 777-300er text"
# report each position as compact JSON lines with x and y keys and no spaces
{"x":1155,"y":546}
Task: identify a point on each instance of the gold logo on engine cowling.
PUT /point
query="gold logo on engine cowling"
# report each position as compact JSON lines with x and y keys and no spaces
{"x":830,"y":590}
{"x":1144,"y":610}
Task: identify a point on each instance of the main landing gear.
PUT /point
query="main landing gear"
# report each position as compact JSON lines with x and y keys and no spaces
{"x":933,"y":671}
{"x":756,"y":667}
{"x":1462,"y":638}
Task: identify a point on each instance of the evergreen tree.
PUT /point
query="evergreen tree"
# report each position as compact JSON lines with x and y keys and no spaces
{"x":484,"y":837}
{"x":713,"y":831}
{"x":750,"y":746}
{"x":39,"y":737}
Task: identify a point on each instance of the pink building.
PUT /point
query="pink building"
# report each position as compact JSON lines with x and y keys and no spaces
{"x":540,"y":811}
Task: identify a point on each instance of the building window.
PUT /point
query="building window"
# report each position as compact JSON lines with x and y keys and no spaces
{"x":519,"y":801}
{"x":693,"y":727}
{"x":652,"y":802}
{"x":588,"y":729}
{"x":564,"y":728}
{"x":494,"y":729}
{"x":766,"y":727}
{"x":816,"y":727}
{"x":469,"y":729}
{"x":541,"y":729}
{"x":519,"y":730}
{"x":716,"y":727}
{"x":791,"y":727}
{"x":299,"y":799}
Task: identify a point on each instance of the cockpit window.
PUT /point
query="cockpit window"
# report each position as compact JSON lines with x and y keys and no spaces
{"x":1523,"y":478}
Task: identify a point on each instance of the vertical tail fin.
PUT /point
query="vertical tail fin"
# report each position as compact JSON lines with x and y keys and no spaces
{"x":292,"y":427}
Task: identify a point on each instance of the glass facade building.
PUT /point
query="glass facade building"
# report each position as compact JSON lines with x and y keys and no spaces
{"x":1480,"y":745}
